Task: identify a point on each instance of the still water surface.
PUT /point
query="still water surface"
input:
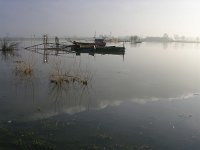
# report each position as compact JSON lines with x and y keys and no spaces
{"x":145,"y":99}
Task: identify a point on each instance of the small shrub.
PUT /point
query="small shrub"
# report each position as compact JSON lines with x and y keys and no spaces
{"x":7,"y":45}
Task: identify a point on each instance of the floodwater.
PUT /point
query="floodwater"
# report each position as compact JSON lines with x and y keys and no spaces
{"x":147,"y":99}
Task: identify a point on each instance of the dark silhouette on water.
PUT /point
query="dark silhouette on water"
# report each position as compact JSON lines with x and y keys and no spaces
{"x":97,"y":47}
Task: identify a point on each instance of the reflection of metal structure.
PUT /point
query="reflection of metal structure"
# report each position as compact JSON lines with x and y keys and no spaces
{"x":45,"y":42}
{"x":47,"y":48}
{"x":45,"y":56}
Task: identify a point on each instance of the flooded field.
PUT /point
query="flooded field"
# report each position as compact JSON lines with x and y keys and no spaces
{"x":146,"y":99}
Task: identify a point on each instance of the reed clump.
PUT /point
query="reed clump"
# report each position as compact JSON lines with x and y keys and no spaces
{"x":7,"y":49}
{"x":60,"y":78}
{"x":6,"y":45}
{"x":23,"y":69}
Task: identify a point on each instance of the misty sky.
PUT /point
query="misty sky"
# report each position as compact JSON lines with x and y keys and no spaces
{"x":84,"y":17}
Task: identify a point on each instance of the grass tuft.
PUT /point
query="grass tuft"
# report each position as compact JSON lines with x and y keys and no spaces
{"x":23,"y":69}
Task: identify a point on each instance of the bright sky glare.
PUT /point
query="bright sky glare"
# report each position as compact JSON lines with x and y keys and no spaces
{"x":110,"y":17}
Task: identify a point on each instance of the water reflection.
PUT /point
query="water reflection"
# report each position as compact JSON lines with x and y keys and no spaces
{"x":70,"y":97}
{"x":153,"y":93}
{"x":147,"y":74}
{"x":25,"y":82}
{"x":9,"y":55}
{"x":45,"y":56}
{"x":133,"y":44}
{"x":8,"y":48}
{"x":6,"y":55}
{"x":165,"y":45}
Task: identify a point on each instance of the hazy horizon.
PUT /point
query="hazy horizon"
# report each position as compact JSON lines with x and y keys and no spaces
{"x":23,"y":18}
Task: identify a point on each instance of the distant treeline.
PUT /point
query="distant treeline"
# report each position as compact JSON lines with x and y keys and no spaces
{"x":133,"y":38}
